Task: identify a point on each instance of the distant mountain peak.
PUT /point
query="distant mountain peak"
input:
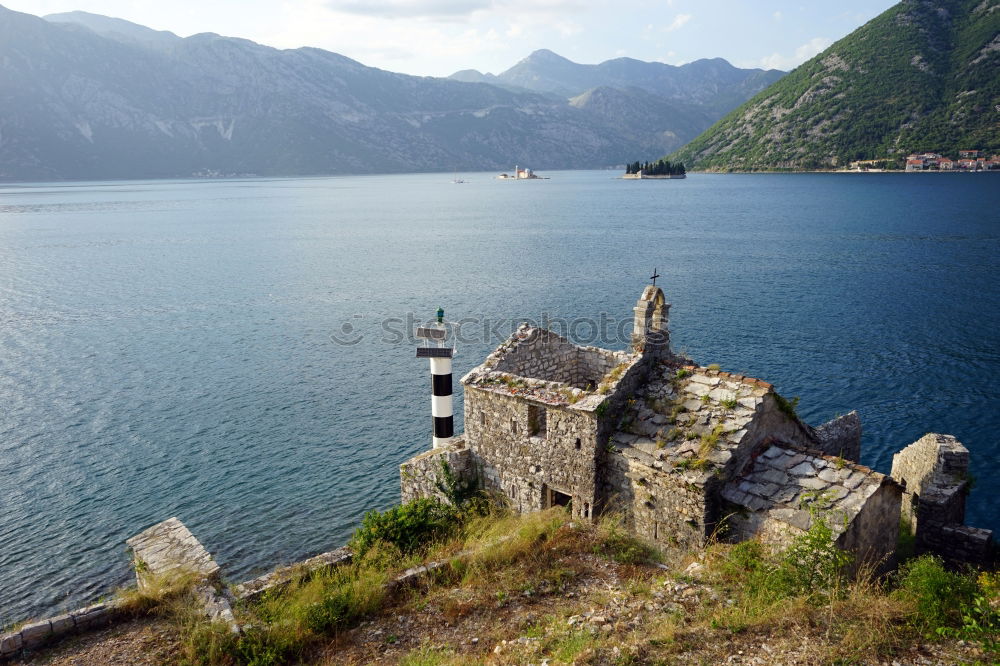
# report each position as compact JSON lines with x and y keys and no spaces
{"x":546,"y":54}
{"x":99,"y":97}
{"x":115,"y":28}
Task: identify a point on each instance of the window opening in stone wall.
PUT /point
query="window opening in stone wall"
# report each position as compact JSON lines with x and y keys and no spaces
{"x":578,"y":444}
{"x":656,"y":531}
{"x":586,"y":508}
{"x":536,"y":421}
{"x":482,"y":418}
{"x":556,"y":498}
{"x":513,"y":426}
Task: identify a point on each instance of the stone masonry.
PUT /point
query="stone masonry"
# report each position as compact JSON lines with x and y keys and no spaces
{"x":682,"y":452}
{"x":934,"y":472}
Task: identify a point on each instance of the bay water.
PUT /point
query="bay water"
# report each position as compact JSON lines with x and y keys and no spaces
{"x":235,"y":353}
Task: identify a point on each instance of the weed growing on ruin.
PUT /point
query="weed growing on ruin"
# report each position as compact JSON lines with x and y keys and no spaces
{"x":714,"y":367}
{"x":466,"y":495}
{"x":572,"y":396}
{"x":705,"y":399}
{"x":699,"y":464}
{"x":787,"y":406}
{"x":906,"y":541}
{"x":615,"y":374}
{"x":709,"y":440}
{"x":729,"y":403}
{"x":283,"y":625}
{"x":682,"y":373}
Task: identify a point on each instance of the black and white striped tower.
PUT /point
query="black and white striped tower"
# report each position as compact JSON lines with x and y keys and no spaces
{"x":436,"y":348}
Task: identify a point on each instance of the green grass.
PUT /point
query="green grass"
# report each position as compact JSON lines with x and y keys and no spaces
{"x":496,"y":559}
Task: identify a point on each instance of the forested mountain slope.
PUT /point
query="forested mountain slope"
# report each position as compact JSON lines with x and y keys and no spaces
{"x":922,"y":76}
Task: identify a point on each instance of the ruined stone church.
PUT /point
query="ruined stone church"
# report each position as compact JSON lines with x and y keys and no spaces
{"x":686,"y":453}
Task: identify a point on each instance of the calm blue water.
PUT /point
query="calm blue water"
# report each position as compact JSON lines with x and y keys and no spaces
{"x":169,"y":348}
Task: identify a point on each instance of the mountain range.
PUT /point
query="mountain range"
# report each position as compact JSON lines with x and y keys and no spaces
{"x":922,"y":76}
{"x":88,"y":96}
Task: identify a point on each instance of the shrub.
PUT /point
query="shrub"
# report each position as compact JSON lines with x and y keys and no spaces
{"x":409,"y":527}
{"x":939,"y":595}
{"x":466,"y":495}
{"x":813,"y":564}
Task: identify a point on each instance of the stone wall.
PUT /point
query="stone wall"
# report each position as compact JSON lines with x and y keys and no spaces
{"x":769,"y":424}
{"x":420,"y":475}
{"x":526,"y":464}
{"x":934,"y":472}
{"x":666,"y":507}
{"x":41,"y":632}
{"x":841,"y":437}
{"x":545,"y":355}
{"x":872,"y":534}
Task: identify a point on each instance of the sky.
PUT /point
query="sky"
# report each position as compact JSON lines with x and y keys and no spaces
{"x":440,"y":37}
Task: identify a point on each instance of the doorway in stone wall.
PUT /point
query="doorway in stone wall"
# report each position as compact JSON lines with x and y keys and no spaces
{"x":555,"y":497}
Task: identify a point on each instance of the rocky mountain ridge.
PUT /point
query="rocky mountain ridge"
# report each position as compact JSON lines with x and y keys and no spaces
{"x":88,"y":96}
{"x":922,"y":76}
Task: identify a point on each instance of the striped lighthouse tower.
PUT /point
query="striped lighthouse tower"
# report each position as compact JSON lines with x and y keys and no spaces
{"x":436,"y":348}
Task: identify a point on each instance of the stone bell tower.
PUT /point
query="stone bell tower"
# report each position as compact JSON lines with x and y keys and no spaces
{"x":650,"y":333}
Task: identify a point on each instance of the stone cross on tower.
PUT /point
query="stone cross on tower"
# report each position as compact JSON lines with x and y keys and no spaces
{"x":654,"y":276}
{"x":650,"y":333}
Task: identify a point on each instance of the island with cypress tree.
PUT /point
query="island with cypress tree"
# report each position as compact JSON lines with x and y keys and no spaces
{"x":661,"y":169}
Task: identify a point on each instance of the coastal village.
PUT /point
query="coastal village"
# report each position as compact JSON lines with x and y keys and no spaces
{"x":968,"y":160}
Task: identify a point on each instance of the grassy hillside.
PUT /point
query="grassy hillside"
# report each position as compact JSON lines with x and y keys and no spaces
{"x":542,"y":588}
{"x":922,"y":76}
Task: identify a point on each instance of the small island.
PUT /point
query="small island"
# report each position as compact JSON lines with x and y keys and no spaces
{"x":521,"y":174}
{"x":661,"y":170}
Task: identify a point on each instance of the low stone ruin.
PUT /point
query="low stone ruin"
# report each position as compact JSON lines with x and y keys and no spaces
{"x":934,"y":472}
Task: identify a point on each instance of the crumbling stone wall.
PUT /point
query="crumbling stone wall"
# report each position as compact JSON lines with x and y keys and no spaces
{"x":665,"y":507}
{"x":840,"y":437}
{"x":546,"y":355}
{"x":934,"y":472}
{"x":419,"y":476}
{"x":769,"y":424}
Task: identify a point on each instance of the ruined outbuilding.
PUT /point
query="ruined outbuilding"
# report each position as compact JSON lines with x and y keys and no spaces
{"x":683,"y":452}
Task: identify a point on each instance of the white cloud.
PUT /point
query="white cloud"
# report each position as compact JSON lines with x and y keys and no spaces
{"x":777,"y":16}
{"x":813,"y":47}
{"x":568,"y":28}
{"x":411,"y":8}
{"x":679,"y":21}
{"x":451,"y":10}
